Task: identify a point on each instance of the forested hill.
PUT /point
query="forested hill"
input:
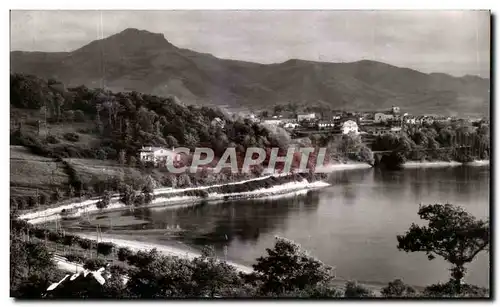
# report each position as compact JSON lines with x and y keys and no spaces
{"x":104,"y":123}
{"x":146,"y":62}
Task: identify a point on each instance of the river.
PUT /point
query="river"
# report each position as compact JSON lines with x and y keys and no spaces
{"x":351,"y":224}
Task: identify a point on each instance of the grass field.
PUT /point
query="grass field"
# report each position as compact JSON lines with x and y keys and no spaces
{"x":102,"y":169}
{"x":29,"y":172}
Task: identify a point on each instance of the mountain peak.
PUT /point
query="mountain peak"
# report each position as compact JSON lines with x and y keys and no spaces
{"x":133,"y":33}
{"x":130,"y":39}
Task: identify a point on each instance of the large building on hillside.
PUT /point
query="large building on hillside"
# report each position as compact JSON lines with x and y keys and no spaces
{"x":158,"y":155}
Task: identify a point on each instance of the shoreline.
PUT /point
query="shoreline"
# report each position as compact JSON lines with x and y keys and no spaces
{"x":90,"y":206}
{"x":417,"y":164}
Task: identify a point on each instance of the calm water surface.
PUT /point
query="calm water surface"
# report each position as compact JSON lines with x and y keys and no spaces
{"x":351,"y":225}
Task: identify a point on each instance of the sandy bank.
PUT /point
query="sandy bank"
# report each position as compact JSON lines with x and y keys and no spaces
{"x":167,"y":250}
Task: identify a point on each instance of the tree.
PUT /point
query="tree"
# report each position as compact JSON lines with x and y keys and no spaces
{"x":79,"y":116}
{"x":287,"y":268}
{"x":213,"y":277}
{"x":31,"y":268}
{"x":132,"y":161}
{"x":105,"y":248}
{"x":127,"y":195}
{"x":452,"y":233}
{"x":183,"y":181}
{"x":353,"y":289}
{"x":124,"y":253}
{"x":148,"y":190}
{"x":171,"y":141}
{"x":122,"y":157}
{"x":104,"y":201}
{"x":69,"y":115}
{"x":398,"y":288}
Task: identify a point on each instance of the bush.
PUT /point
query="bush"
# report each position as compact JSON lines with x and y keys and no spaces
{"x":353,"y":289}
{"x":43,"y":198}
{"x":124,"y":253}
{"x":21,"y":203}
{"x":105,"y":200}
{"x":55,"y":237}
{"x":143,"y":258}
{"x":105,"y":248}
{"x":51,"y":139}
{"x":69,"y":240}
{"x":77,"y":258}
{"x":449,"y":289}
{"x":39,"y":233}
{"x":71,"y":137}
{"x":57,"y":195}
{"x":85,"y":243}
{"x":79,"y":116}
{"x":118,"y":269}
{"x":95,"y":264}
{"x":398,"y":288}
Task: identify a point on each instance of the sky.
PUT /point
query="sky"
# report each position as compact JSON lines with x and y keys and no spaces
{"x":453,"y":42}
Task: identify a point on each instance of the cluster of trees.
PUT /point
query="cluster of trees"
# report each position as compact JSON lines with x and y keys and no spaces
{"x":127,"y":121}
{"x":438,"y":141}
{"x":286,"y":270}
{"x":352,"y":147}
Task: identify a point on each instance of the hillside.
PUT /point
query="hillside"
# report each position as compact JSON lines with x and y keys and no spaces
{"x":146,"y":62}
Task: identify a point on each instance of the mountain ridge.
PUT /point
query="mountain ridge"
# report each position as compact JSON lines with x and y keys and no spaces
{"x":147,"y":62}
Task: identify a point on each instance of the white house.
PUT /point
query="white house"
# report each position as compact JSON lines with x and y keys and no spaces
{"x":157,"y":155}
{"x":310,"y":116}
{"x":350,"y":126}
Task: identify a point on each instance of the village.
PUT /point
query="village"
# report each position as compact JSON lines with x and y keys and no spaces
{"x":368,"y":125}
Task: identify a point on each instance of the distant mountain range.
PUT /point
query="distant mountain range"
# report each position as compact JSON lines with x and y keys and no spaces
{"x":143,"y":61}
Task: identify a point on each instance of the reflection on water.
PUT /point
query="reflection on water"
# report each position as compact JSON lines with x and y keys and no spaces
{"x":352,"y":224}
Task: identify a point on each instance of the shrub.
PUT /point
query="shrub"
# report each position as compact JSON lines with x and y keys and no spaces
{"x":398,"y":288}
{"x":105,"y":248}
{"x":124,"y":253}
{"x":55,"y":237}
{"x":57,"y":195}
{"x":118,"y":269}
{"x":21,"y":203}
{"x":43,"y":198}
{"x":79,"y":116}
{"x":77,"y":258}
{"x":449,"y":289}
{"x":39,"y":233}
{"x":353,"y":289}
{"x":71,"y":137}
{"x":85,"y":243}
{"x":95,"y":264}
{"x":51,"y":139}
{"x":143,"y":258}
{"x":69,"y":240}
{"x":105,"y":200}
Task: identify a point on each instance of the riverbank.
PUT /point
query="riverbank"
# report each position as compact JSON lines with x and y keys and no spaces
{"x":417,"y":164}
{"x":176,"y":198}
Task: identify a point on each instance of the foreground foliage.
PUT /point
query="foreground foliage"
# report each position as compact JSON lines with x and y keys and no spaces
{"x":287,"y":271}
